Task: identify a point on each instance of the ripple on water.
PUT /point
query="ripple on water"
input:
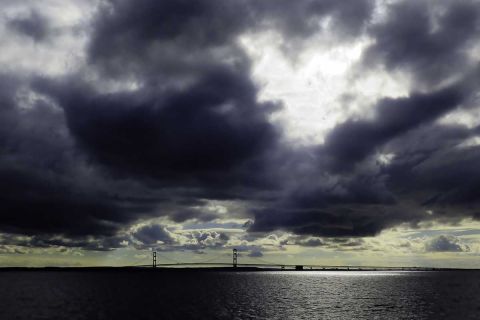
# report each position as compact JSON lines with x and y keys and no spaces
{"x":240,"y":295}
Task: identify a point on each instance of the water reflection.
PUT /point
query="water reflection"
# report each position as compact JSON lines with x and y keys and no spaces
{"x":241,"y":295}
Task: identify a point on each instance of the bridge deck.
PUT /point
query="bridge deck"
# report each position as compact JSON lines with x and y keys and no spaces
{"x":292,"y":266}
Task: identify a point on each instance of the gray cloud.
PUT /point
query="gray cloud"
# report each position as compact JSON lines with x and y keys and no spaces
{"x":151,"y":235}
{"x":33,"y":25}
{"x":187,"y":214}
{"x":443,"y":243}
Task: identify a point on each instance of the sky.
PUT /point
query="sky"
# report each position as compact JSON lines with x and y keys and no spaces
{"x":298,"y":132}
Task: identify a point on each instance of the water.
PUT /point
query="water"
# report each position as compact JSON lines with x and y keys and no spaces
{"x":239,"y":295}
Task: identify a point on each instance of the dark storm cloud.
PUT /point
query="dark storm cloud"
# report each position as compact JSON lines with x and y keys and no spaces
{"x":46,"y":187}
{"x":430,"y":43}
{"x":34,"y":25}
{"x":195,"y":121}
{"x":33,"y":203}
{"x":90,"y":158}
{"x":196,"y":117}
{"x":331,"y":222}
{"x":98,"y":243}
{"x":362,"y":202}
{"x":205,"y":131}
{"x":359,"y":206}
{"x":352,"y":141}
{"x":445,"y":181}
{"x":429,"y":39}
{"x":429,"y":171}
{"x":164,"y":38}
{"x":433,"y":169}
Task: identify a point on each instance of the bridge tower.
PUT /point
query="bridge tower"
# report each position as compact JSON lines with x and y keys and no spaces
{"x":154,"y":259}
{"x":234,"y":258}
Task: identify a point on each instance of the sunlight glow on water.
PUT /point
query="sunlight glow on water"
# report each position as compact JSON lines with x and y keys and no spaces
{"x":349,"y":273}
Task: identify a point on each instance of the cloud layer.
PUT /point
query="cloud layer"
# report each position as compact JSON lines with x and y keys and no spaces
{"x":160,"y":115}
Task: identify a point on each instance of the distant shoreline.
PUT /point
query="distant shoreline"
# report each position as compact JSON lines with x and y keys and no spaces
{"x":223,"y":269}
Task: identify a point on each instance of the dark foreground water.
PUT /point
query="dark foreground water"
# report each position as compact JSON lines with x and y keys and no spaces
{"x":242,"y":295}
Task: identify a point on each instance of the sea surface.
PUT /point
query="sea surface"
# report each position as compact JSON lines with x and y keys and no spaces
{"x":239,"y":295}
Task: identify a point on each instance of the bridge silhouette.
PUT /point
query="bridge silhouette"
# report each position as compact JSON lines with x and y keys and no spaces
{"x":261,"y":263}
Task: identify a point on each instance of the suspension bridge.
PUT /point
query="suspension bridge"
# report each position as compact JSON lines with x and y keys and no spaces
{"x":264,"y":264}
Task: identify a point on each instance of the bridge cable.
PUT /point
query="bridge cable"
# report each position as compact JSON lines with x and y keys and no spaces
{"x":265,"y":261}
{"x":213,"y":259}
{"x":137,"y":261}
{"x":167,"y":258}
